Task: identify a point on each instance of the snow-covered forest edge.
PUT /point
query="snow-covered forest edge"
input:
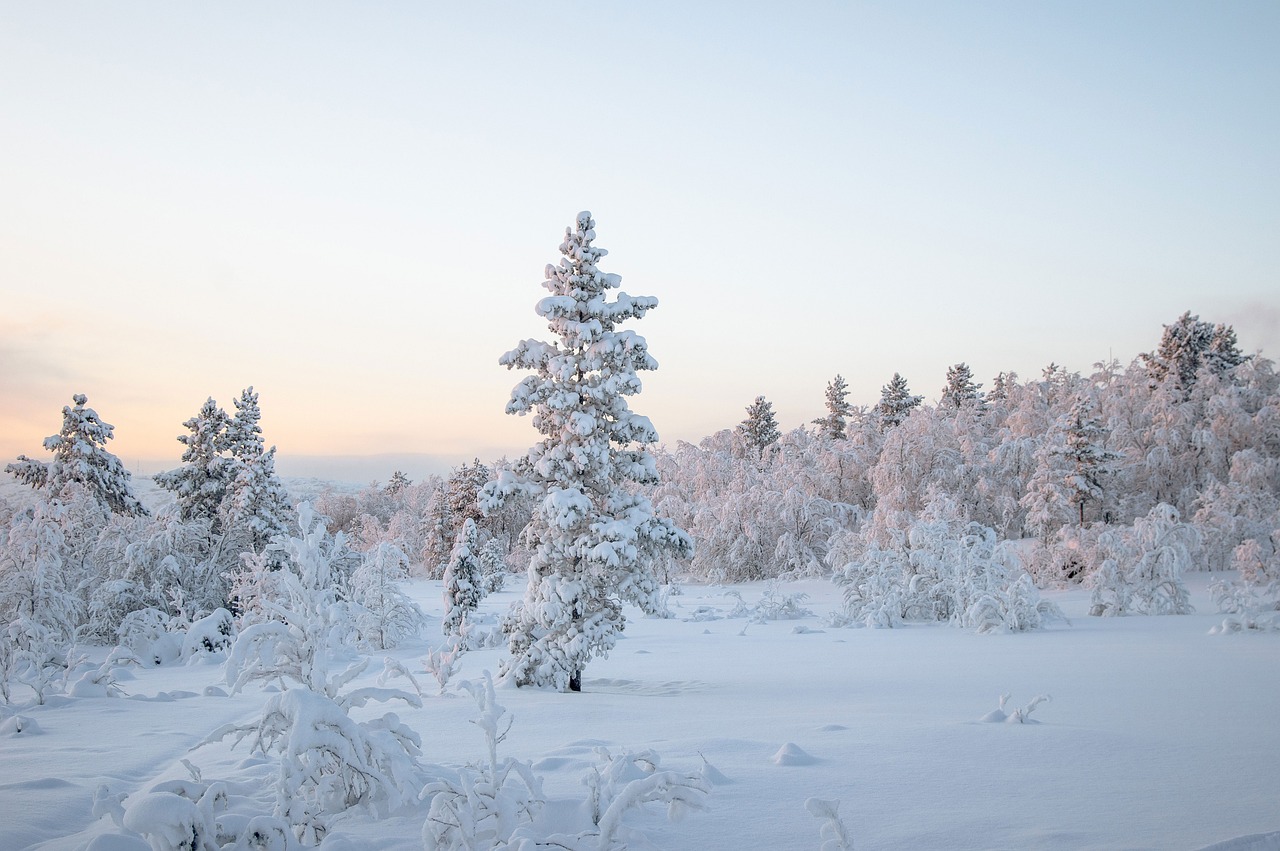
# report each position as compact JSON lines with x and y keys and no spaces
{"x":332,"y":645}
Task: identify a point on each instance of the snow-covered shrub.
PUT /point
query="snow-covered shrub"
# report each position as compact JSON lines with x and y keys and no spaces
{"x":1017,"y":607}
{"x":772,"y":606}
{"x":209,"y":636}
{"x":1020,"y":715}
{"x":384,"y":615}
{"x":942,"y":569}
{"x":1251,"y":602}
{"x":328,"y":762}
{"x":630,"y":780}
{"x":835,"y":836}
{"x":444,"y":661}
{"x":496,"y":804}
{"x":146,"y":632}
{"x":309,"y":625}
{"x":1141,"y":568}
{"x":873,"y":588}
{"x":101,"y":681}
{"x":169,"y":822}
{"x":482,"y":806}
{"x":37,"y":657}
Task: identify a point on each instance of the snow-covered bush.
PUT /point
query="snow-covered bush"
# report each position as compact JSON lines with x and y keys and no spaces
{"x":482,"y":806}
{"x":942,"y":569}
{"x":147,"y":633}
{"x":1251,"y":602}
{"x":210,"y":636}
{"x":773,"y":605}
{"x":1020,"y":715}
{"x":37,"y":657}
{"x":309,"y":626}
{"x":835,"y":836}
{"x":384,"y":615}
{"x":630,"y":780}
{"x":497,"y":803}
{"x":444,"y":661}
{"x":169,"y":822}
{"x":1141,"y":568}
{"x":101,"y":681}
{"x":328,"y":762}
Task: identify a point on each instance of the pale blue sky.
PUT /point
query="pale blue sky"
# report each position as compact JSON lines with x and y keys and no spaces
{"x":349,"y":206}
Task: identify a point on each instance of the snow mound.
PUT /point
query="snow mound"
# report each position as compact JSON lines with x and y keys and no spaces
{"x":792,"y":754}
{"x":1253,"y":842}
{"x":19,"y":725}
{"x":116,"y":842}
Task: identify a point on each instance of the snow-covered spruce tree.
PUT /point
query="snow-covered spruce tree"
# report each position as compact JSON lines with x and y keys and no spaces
{"x":463,"y":584}
{"x":760,"y":429}
{"x":961,"y":390}
{"x":896,"y":402}
{"x":593,"y":540}
{"x":80,"y":456}
{"x":452,"y":507}
{"x":833,"y":424}
{"x":493,"y":566}
{"x":200,"y":485}
{"x":256,"y":507}
{"x":1091,"y":463}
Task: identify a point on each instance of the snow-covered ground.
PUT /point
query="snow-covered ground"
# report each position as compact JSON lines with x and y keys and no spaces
{"x":1158,"y":735}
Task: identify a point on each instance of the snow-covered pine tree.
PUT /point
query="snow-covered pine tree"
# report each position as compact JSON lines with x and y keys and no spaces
{"x":256,"y":508}
{"x":1001,"y":385}
{"x":1086,"y":453}
{"x":593,"y":539}
{"x":200,"y":486}
{"x":1188,"y":344}
{"x":398,"y":482}
{"x":760,"y":429}
{"x":493,"y":566}
{"x":463,"y":584}
{"x":896,"y":402}
{"x":832,"y":426}
{"x":961,"y":389}
{"x":80,"y":456}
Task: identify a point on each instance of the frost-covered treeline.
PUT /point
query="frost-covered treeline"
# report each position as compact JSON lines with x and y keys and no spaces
{"x":1122,"y":478}
{"x":1074,"y":466}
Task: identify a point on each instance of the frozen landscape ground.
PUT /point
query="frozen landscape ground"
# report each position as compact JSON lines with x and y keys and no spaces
{"x":1158,"y":735}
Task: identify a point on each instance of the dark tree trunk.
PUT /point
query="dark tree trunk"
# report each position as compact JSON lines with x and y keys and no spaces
{"x":575,"y":681}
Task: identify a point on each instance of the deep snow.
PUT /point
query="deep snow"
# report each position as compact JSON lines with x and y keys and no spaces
{"x":1158,"y":735}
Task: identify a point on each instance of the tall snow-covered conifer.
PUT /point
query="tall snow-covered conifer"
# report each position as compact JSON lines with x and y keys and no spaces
{"x":961,"y":389}
{"x":256,"y":507}
{"x":760,"y":428}
{"x":80,"y":456}
{"x":896,"y":402}
{"x":838,"y":409}
{"x":200,"y":486}
{"x":593,"y":538}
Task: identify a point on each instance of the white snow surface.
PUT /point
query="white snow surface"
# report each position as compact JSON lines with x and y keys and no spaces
{"x":1158,"y":735}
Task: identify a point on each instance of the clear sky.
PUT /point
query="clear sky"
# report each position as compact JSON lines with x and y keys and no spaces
{"x":349,"y":206}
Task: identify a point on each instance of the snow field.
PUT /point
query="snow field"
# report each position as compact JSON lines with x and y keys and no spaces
{"x":1158,"y":735}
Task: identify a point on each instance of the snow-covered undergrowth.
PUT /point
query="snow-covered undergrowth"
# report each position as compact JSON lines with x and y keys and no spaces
{"x":886,"y":720}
